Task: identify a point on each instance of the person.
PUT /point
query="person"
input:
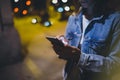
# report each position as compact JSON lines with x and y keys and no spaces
{"x":93,"y":36}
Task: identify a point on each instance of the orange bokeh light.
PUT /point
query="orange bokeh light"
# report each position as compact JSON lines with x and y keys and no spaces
{"x":28,"y":3}
{"x":16,"y":10}
{"x":24,"y":12}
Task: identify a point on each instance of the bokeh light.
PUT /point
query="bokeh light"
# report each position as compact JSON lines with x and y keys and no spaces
{"x":64,"y":1}
{"x":16,"y":1}
{"x":34,"y":21}
{"x":16,"y":9}
{"x":54,"y":1}
{"x":24,"y":12}
{"x":60,"y":9}
{"x":47,"y":23}
{"x":28,"y":3}
{"x":67,"y":8}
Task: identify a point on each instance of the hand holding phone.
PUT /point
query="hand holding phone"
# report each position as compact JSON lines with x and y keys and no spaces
{"x":64,"y":51}
{"x":55,"y":41}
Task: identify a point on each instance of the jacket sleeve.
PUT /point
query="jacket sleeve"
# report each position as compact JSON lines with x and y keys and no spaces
{"x":69,"y":27}
{"x":98,"y":63}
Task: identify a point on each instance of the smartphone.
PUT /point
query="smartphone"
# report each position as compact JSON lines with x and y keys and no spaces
{"x":54,"y":40}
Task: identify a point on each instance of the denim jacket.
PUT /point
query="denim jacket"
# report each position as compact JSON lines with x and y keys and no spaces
{"x":100,"y":50}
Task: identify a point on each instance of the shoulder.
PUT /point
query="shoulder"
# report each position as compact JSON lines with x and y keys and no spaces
{"x":116,"y":20}
{"x":115,"y":15}
{"x":75,"y":16}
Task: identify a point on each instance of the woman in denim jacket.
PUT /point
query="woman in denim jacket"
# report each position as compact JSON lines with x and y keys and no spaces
{"x":93,"y":49}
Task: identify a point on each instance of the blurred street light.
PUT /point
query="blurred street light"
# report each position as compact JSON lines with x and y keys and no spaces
{"x":34,"y":20}
{"x":67,"y":8}
{"x":21,"y":7}
{"x":54,"y":1}
{"x":16,"y":9}
{"x":64,"y":1}
{"x":16,"y":1}
{"x":60,"y":9}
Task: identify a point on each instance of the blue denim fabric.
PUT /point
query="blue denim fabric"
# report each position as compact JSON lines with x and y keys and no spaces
{"x":101,"y":46}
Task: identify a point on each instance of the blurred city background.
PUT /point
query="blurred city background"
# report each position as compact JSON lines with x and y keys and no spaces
{"x":34,"y":20}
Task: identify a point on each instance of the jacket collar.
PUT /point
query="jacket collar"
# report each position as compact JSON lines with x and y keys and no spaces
{"x":79,"y":17}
